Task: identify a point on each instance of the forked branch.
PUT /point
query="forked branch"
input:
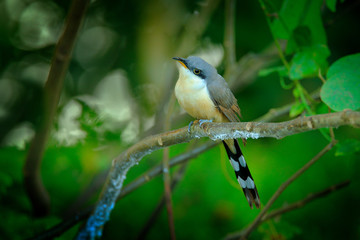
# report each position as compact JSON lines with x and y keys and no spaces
{"x":215,"y":131}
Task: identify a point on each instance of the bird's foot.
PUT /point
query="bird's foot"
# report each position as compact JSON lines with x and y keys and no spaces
{"x":202,"y":121}
{"x":189,"y":127}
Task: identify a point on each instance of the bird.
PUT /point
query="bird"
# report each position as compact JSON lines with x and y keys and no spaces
{"x":205,"y":95}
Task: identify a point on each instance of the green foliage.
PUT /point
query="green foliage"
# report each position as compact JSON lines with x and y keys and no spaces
{"x":347,"y":147}
{"x":281,"y":70}
{"x":308,"y":62}
{"x":342,"y":88}
{"x":300,"y":23}
{"x":279,"y":230}
{"x":331,"y":4}
{"x":136,"y":58}
{"x":296,"y":109}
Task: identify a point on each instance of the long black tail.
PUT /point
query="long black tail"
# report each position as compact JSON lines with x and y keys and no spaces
{"x":242,"y":172}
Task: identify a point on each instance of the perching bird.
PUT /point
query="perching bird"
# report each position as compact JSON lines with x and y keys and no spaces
{"x":205,"y":95}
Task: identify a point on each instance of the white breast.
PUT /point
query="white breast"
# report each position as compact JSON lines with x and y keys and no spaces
{"x":193,"y":95}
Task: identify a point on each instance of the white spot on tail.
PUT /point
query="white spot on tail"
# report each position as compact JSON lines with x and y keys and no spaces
{"x":235,"y":165}
{"x":249,"y":183}
{"x":242,"y":161}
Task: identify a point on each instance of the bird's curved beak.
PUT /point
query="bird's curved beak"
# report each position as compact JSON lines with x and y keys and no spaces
{"x":182,"y":61}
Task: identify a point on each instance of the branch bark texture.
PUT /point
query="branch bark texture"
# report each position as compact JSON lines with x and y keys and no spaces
{"x":215,"y":131}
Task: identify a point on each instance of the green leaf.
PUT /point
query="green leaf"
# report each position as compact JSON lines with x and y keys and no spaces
{"x":350,"y":63}
{"x":308,"y":62}
{"x":296,"y":93}
{"x":300,"y":23}
{"x":296,"y":109}
{"x":331,"y":4}
{"x":347,"y":147}
{"x":342,"y":88}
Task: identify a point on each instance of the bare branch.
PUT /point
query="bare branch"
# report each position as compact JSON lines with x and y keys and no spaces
{"x":229,"y":38}
{"x":66,"y":224}
{"x":246,"y":69}
{"x":167,"y":194}
{"x":275,"y":113}
{"x":34,"y":187}
{"x":221,"y":131}
{"x":158,"y":169}
{"x":69,"y":222}
{"x":215,"y":131}
{"x":245,"y":234}
{"x":305,"y":201}
{"x":156,"y":212}
{"x":166,"y":174}
{"x":293,"y":206}
{"x":195,"y":27}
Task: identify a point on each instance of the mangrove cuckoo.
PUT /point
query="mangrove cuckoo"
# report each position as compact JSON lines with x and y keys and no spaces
{"x":205,"y":95}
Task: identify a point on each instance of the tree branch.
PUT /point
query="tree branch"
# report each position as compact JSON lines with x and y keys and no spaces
{"x":66,"y":224}
{"x":305,"y":201}
{"x":229,"y":37}
{"x":34,"y":187}
{"x":156,"y":212}
{"x":283,"y":186}
{"x":166,"y":174}
{"x":221,"y":131}
{"x":216,"y":131}
{"x":293,"y":206}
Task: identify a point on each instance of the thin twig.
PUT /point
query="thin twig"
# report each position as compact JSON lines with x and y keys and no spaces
{"x":243,"y":74}
{"x":305,"y":201}
{"x":66,"y":224}
{"x":178,"y":176}
{"x":293,"y":206}
{"x":158,"y":169}
{"x":276,"y":41}
{"x":167,"y":193}
{"x":283,"y":186}
{"x":229,"y":37}
{"x":216,"y":131}
{"x":166,"y":174}
{"x":275,"y":113}
{"x":246,"y":69}
{"x":34,"y":187}
{"x":331,"y":130}
{"x":195,"y":27}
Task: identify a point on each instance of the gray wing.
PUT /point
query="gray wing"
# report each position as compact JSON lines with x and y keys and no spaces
{"x":223,"y":98}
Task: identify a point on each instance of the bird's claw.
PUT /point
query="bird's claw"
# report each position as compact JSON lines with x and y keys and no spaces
{"x":189,"y":127}
{"x":202,"y":121}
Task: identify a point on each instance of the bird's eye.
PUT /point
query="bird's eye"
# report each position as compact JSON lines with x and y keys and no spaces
{"x":197,"y":71}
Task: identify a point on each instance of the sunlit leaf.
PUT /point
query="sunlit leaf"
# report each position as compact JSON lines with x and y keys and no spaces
{"x":350,"y":63}
{"x":296,"y":109}
{"x":308,"y":62}
{"x":342,"y":88}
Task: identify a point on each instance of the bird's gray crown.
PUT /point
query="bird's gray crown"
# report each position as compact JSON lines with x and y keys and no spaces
{"x":206,"y":69}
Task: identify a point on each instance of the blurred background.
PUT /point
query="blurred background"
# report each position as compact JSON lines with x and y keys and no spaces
{"x":119,"y":89}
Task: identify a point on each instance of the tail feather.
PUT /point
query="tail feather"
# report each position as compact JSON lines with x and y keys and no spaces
{"x":242,"y":172}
